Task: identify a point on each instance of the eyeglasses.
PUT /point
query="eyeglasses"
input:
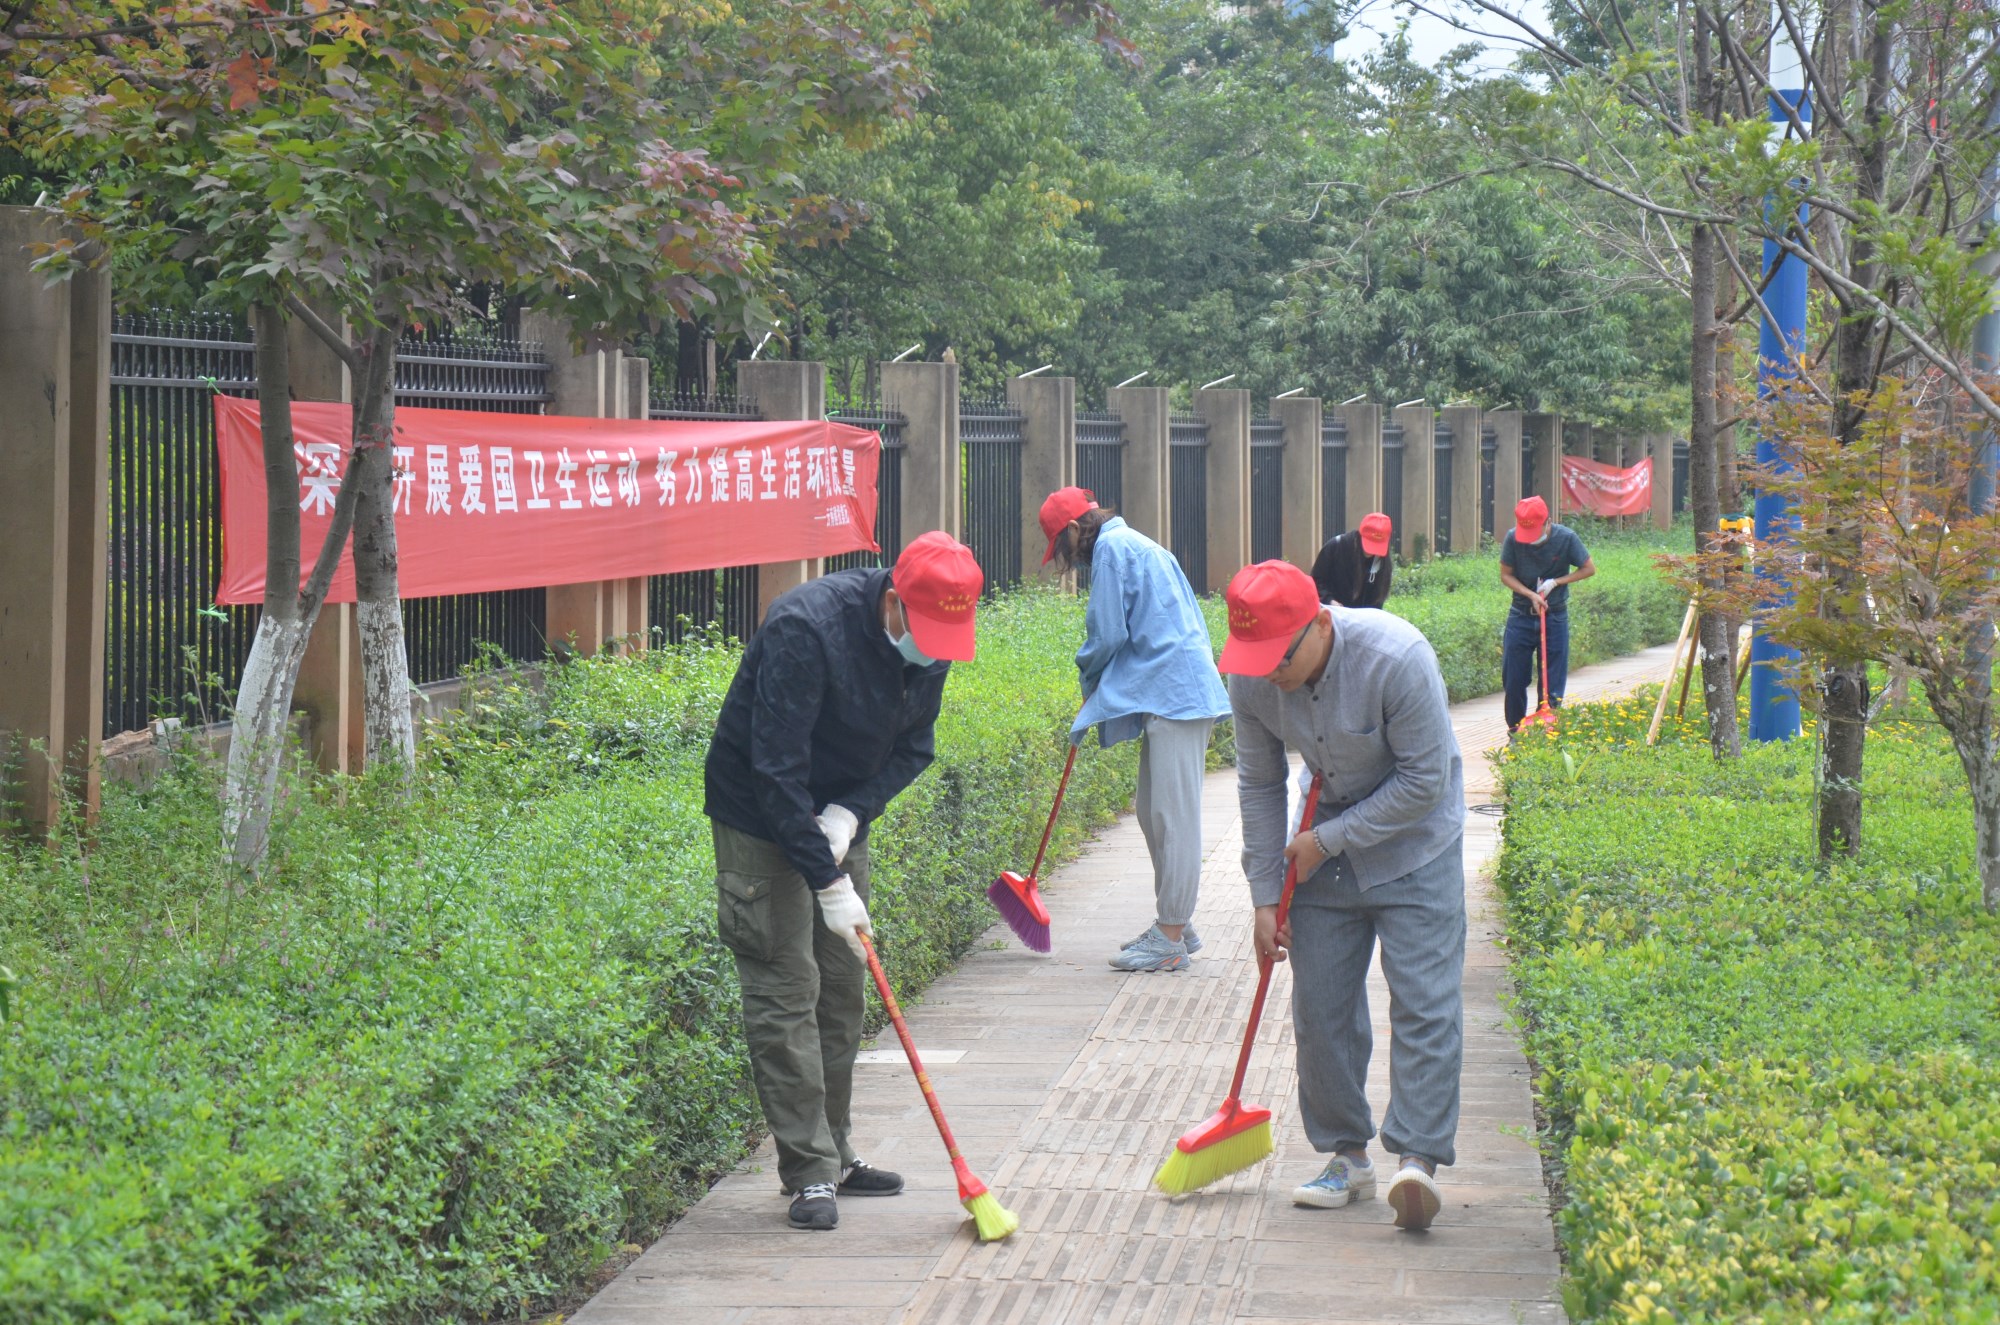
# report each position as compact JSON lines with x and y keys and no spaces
{"x":1292,"y":652}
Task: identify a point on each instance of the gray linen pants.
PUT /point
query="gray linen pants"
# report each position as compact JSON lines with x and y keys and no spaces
{"x":802,"y":1000}
{"x":1173,"y":758}
{"x":1420,"y":920}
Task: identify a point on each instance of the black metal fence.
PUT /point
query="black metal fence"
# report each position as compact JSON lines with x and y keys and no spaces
{"x":1187,"y":479}
{"x":1100,"y":456}
{"x":691,"y":601}
{"x":1392,"y":479}
{"x":990,"y":440}
{"x":1680,"y":476}
{"x":1267,"y":490}
{"x":1529,"y":448}
{"x":1441,"y":487}
{"x":168,"y":650}
{"x":890,"y":424}
{"x":1332,"y":476}
{"x":1489,"y":451}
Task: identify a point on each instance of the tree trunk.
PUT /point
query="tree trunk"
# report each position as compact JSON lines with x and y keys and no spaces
{"x":271,"y":672}
{"x":1718,"y":680}
{"x":1844,"y":686}
{"x":389,"y":731}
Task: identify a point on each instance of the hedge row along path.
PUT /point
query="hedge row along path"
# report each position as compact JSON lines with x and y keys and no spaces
{"x":1066,"y":1082}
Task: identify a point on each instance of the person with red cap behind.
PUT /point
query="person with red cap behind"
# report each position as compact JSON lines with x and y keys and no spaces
{"x":1359,"y":695}
{"x":1354,"y":569}
{"x":830,"y":715}
{"x":1147,"y":672}
{"x":1550,"y":557}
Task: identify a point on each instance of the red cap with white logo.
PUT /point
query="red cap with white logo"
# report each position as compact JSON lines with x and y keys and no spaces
{"x":1269,"y":604}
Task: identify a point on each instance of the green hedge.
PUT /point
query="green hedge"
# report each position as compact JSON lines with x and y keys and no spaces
{"x":1461,"y":606}
{"x":1774,"y":1089}
{"x":452,"y":1052}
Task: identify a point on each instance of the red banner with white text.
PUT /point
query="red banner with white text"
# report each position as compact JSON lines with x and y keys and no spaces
{"x":1606,"y":489}
{"x":511,"y":501}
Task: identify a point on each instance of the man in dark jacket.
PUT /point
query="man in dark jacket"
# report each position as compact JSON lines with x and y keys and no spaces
{"x":1354,"y":569}
{"x":829,"y":717}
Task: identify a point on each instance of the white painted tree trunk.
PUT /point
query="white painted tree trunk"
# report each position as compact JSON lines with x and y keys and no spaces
{"x":257,"y":736}
{"x":388,"y":722}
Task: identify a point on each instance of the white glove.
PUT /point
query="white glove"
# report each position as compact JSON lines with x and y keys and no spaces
{"x":839,"y":825}
{"x":1545,"y":587}
{"x":842,"y":911}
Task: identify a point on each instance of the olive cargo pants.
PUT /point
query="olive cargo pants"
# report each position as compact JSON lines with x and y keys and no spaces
{"x":802,"y":1000}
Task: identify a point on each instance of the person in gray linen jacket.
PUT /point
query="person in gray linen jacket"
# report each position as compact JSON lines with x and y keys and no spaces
{"x":1358,"y":694}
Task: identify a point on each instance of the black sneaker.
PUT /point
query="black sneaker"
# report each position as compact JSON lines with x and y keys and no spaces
{"x":814,"y":1208}
{"x":864,"y":1179}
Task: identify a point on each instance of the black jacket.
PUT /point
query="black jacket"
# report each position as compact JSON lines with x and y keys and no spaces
{"x":823,"y":709}
{"x":1341,"y":573}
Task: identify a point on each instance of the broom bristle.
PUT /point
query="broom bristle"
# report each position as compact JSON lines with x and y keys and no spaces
{"x":1032,"y":930}
{"x":993,"y":1220}
{"x":1185,"y":1170}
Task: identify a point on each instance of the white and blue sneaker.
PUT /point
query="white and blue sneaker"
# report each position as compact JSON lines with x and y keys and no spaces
{"x":1152,"y":951}
{"x":1189,"y":939}
{"x":1341,"y":1181}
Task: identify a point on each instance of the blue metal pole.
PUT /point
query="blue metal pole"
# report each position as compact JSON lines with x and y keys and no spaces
{"x":1774,"y":708}
{"x":1986,"y":337}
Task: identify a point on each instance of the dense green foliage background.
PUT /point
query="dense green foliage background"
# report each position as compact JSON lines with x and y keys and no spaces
{"x":1775,"y":1085}
{"x":450,"y":1053}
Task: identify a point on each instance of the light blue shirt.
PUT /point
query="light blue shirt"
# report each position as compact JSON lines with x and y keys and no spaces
{"x":1145,"y":650}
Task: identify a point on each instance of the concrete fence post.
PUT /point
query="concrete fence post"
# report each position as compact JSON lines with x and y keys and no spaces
{"x":329,"y":683}
{"x":1547,"y":431}
{"x":926,"y":395}
{"x":1048,"y":454}
{"x":1364,"y":459}
{"x":1660,"y":448}
{"x":1227,"y":412}
{"x":1149,"y":491}
{"x":783,"y":389}
{"x":1418,"y":536}
{"x":1506,"y":424}
{"x":39,"y":404}
{"x":1466,"y":474}
{"x":1302,"y":535}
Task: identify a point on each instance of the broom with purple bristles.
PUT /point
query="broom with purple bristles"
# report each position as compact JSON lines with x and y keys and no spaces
{"x":1018,"y":899}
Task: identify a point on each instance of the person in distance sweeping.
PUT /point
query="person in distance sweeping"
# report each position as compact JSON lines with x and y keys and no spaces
{"x":1354,"y":569}
{"x":1359,"y":695}
{"x":830,"y":715}
{"x":1551,"y":557}
{"x":1147,"y":673}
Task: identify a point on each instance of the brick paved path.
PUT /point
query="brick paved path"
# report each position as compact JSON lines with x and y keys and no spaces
{"x":1067,"y":1082}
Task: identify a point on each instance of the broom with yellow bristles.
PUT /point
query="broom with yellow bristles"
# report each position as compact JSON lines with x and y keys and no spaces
{"x":1235,"y":1136}
{"x":992,"y":1219}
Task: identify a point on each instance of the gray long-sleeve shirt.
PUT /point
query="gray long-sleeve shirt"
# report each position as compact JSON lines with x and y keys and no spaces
{"x":1377,"y":726}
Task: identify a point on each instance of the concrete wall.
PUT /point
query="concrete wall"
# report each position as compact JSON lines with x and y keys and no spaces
{"x":1417,"y":539}
{"x":783,"y":389}
{"x":927,"y":395}
{"x":1466,"y":473}
{"x":1364,"y":459}
{"x":1506,"y":468}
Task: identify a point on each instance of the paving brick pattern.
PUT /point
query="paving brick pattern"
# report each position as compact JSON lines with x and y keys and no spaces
{"x":1074,"y":1082}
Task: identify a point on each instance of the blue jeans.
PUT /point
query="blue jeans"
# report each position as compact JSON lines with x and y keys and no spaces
{"x":1520,"y":646}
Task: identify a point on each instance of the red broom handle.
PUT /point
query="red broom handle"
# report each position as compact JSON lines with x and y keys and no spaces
{"x":1054,"y":810}
{"x":909,"y":1046}
{"x":1265,"y":964}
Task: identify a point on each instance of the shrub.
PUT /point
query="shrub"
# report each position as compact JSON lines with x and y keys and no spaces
{"x":1774,"y":1087}
{"x":449,"y":1053}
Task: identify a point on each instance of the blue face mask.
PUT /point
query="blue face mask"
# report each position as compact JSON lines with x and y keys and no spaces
{"x":907,"y":646}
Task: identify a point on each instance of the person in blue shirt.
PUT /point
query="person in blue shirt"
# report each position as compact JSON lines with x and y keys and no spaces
{"x":1148,"y":672}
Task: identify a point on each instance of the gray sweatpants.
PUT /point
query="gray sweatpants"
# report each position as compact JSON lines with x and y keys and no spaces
{"x":1420,"y":920}
{"x":1173,"y":756}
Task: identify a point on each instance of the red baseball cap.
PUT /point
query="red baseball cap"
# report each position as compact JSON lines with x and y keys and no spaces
{"x":1062,"y":506}
{"x":939,"y":583}
{"x":1531,"y":516}
{"x":1269,"y":603}
{"x":1375,"y":531}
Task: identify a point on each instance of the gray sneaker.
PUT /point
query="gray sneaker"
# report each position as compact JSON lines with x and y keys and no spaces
{"x":1153,"y":952}
{"x":1189,"y":939}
